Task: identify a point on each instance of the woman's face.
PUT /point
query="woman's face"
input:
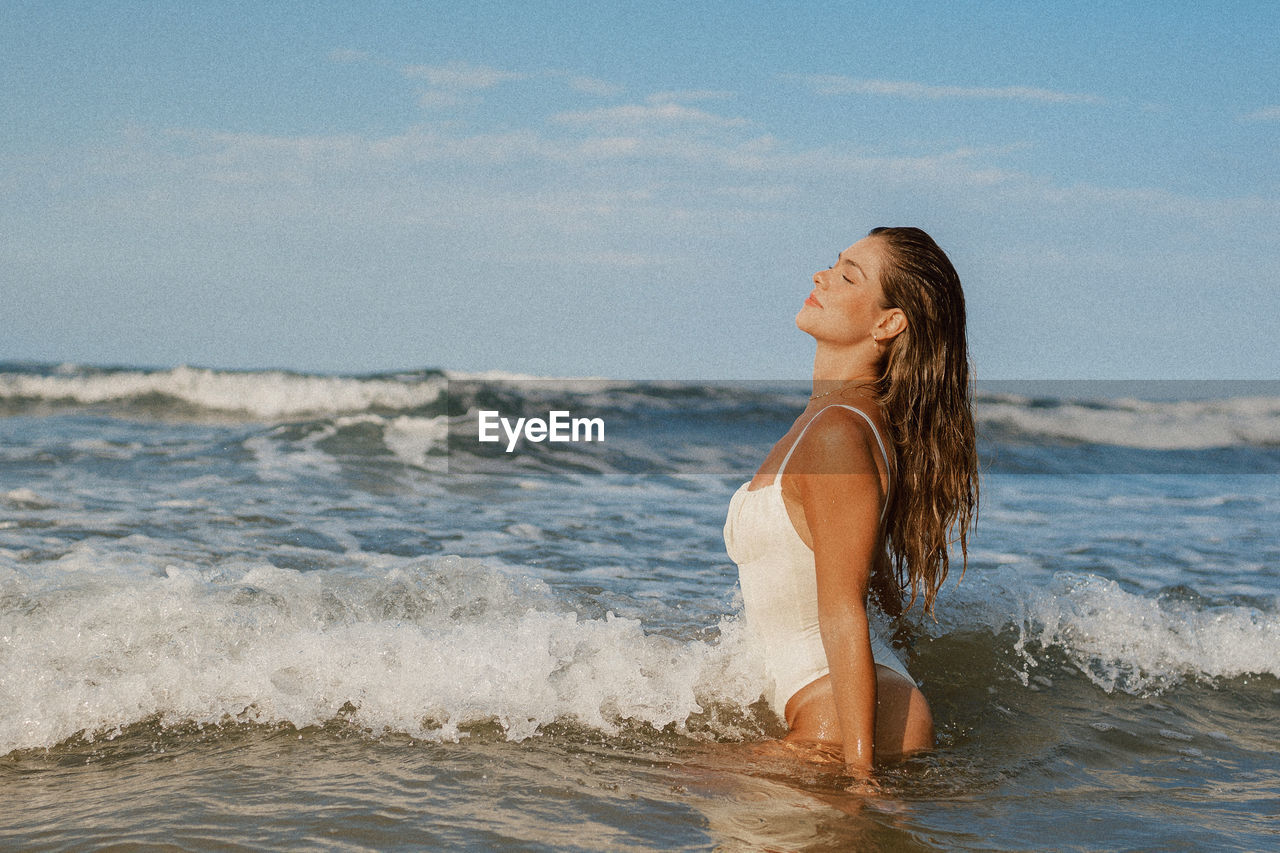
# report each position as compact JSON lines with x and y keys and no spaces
{"x":846,"y":299}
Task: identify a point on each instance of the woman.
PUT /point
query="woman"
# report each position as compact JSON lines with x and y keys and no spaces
{"x":860,"y":497}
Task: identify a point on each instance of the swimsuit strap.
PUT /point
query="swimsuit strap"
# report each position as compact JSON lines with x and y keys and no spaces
{"x":874,"y":431}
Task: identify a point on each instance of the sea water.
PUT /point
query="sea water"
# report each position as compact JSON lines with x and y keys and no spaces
{"x":263,"y":609}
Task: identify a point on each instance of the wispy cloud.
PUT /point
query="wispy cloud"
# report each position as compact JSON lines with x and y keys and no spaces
{"x":442,"y":99}
{"x":1271,"y":113}
{"x":835,"y":84}
{"x":689,"y":95}
{"x":594,"y":86}
{"x":660,"y":110}
{"x":347,"y":55}
{"x":461,"y":76}
{"x":266,"y":172}
{"x":666,"y":156}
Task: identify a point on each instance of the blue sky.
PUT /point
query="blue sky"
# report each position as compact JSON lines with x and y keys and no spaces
{"x":633,"y":190}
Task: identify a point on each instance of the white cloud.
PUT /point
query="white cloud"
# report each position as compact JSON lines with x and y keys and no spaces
{"x":441,"y":99}
{"x":625,"y":260}
{"x":344,"y":54}
{"x":243,"y":173}
{"x":255,"y":162}
{"x":689,"y":95}
{"x":656,"y":160}
{"x":610,"y":147}
{"x":594,"y":86}
{"x":660,"y":199}
{"x":834,"y":84}
{"x":1271,"y":113}
{"x":461,"y":75}
{"x":660,"y":113}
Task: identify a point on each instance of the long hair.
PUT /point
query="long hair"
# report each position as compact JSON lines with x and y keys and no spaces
{"x":925,"y":390}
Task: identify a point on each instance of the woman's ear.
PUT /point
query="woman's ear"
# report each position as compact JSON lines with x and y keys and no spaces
{"x":891,"y":324}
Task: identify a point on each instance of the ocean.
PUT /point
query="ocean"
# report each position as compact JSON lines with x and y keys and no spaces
{"x":268,"y":610}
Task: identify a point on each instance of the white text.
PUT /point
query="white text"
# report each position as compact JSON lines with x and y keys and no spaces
{"x":558,"y":427}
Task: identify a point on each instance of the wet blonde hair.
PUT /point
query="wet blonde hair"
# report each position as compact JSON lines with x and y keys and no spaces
{"x":925,"y":391}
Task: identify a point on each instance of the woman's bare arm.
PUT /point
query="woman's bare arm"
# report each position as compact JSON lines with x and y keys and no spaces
{"x":839,"y":489}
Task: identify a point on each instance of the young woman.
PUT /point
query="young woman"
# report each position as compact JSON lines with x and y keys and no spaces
{"x":861,"y":497}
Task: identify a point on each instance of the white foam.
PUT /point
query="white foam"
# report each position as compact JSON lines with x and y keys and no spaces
{"x":1122,"y":640}
{"x":268,"y":394}
{"x":278,"y":461}
{"x":524,"y":530}
{"x":105,"y":449}
{"x":1147,"y":424}
{"x":412,"y":439}
{"x":417,"y":647}
{"x":26,"y":499}
{"x":583,"y":382}
{"x":1153,"y":425}
{"x":277,"y":456}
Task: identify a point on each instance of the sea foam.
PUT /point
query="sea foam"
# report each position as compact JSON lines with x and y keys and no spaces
{"x":419,"y":647}
{"x":1135,"y":642}
{"x":262,"y":394}
{"x":1252,"y":421}
{"x":1146,"y":424}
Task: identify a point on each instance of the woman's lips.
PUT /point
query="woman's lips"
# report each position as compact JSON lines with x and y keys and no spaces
{"x":809,"y":300}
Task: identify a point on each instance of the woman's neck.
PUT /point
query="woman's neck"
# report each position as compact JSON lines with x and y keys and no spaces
{"x":835,"y":366}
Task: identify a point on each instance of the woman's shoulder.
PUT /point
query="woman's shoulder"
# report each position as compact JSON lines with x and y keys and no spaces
{"x":839,"y":438}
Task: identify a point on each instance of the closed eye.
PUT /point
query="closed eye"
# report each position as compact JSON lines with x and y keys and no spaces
{"x":841,"y":260}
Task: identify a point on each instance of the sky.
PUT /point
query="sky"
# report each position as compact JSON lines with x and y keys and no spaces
{"x":633,"y":190}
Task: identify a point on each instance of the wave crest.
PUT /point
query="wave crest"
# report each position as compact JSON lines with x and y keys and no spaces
{"x":262,"y":394}
{"x":422,"y":648}
{"x":1133,"y":642}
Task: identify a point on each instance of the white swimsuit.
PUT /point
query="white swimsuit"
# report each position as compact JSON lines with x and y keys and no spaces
{"x":779,"y":581}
